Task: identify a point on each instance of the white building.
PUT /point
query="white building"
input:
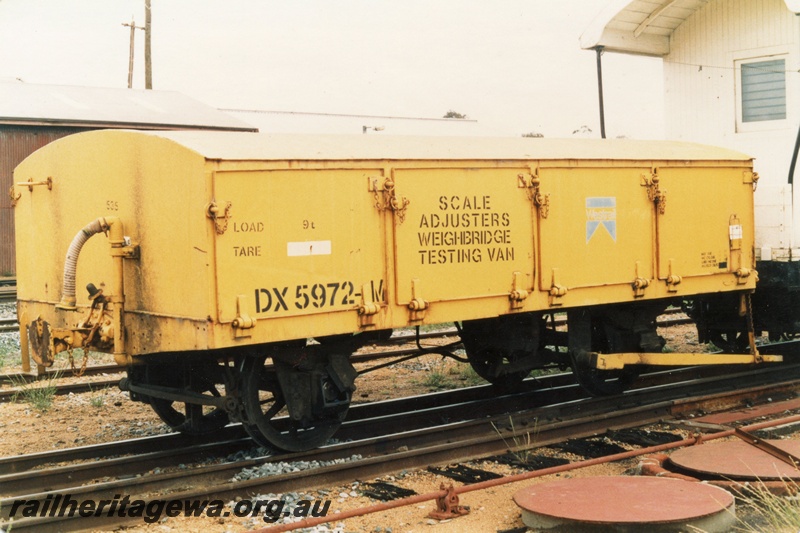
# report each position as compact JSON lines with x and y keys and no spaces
{"x":730,"y":79}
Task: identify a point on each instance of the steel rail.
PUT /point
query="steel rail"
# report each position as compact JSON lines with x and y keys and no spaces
{"x":482,"y":485}
{"x":232,"y":432}
{"x":453,"y":442}
{"x":539,"y":391}
{"x":13,"y":378}
{"x":63,"y":388}
{"x":8,"y":293}
{"x":554,"y":387}
{"x":372,"y":421}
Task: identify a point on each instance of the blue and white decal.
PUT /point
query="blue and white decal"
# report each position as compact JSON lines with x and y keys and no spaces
{"x":601,"y":212}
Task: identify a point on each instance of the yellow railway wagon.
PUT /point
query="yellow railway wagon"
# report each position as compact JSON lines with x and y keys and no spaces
{"x":224,"y":249}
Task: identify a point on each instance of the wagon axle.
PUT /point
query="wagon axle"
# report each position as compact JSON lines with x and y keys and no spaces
{"x":296,"y":403}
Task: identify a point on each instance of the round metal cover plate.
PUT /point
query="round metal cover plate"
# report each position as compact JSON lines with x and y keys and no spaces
{"x":622,"y":500}
{"x":737,"y":460}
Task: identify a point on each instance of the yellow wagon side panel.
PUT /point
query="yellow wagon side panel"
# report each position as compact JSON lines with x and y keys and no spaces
{"x":599,"y":226}
{"x":463,"y":234}
{"x":298,"y":243}
{"x":719,"y":202}
{"x":160,"y":201}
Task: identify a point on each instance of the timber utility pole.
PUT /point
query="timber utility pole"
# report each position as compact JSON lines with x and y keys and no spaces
{"x":148,"y":66}
{"x":133,"y":28}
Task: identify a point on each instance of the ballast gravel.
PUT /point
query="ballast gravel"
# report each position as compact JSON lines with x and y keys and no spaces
{"x":9,"y":341}
{"x":291,"y":502}
{"x":276,"y":469}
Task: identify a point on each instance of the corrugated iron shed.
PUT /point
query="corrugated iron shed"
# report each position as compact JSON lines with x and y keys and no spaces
{"x":33,"y":115}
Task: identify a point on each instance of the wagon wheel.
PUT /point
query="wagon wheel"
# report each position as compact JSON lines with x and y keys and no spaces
{"x":264,"y":400}
{"x":188,"y":418}
{"x":730,"y":341}
{"x":603,"y":382}
{"x":497,"y":347}
{"x":489,"y":363}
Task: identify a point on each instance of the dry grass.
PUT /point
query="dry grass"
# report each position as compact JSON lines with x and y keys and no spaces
{"x":39,"y":394}
{"x":761,"y":511}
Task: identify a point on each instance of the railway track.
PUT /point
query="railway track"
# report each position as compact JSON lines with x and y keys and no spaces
{"x":415,"y":411}
{"x":8,"y":325}
{"x":8,"y":289}
{"x":452,"y":426}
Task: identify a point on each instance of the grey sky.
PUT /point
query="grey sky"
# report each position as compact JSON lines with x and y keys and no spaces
{"x":514,"y":65}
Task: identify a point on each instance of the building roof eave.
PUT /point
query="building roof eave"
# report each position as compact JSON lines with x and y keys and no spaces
{"x":628,"y":27}
{"x":626,"y":43}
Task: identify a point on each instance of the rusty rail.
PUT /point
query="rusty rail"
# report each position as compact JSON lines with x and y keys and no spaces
{"x":452,"y":442}
{"x":311,"y":522}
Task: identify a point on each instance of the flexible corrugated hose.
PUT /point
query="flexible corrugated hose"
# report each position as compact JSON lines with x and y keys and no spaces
{"x":68,"y":298}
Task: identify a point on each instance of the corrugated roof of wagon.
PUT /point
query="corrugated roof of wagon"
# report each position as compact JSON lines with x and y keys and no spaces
{"x":256,"y":146}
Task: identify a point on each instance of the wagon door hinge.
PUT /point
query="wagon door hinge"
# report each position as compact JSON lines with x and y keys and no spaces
{"x":557,"y":291}
{"x":639,"y":284}
{"x":368,"y":308}
{"x":386,"y":197}
{"x":743,"y":275}
{"x":517,"y":295}
{"x":243,"y":323}
{"x":417,"y":306}
{"x":219,"y":215}
{"x":531,"y":183}
{"x":673,"y":280}
{"x":654,"y":192}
